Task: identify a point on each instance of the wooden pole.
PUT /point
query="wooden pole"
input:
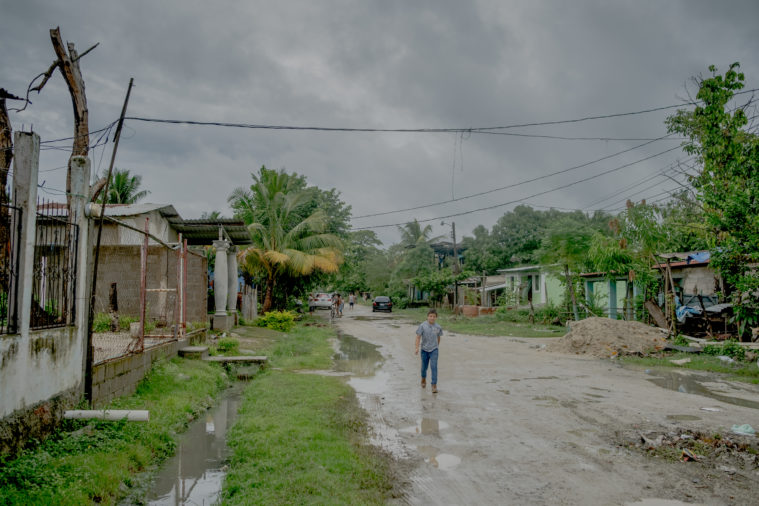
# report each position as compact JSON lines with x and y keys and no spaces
{"x":143,"y":286}
{"x":90,"y":350}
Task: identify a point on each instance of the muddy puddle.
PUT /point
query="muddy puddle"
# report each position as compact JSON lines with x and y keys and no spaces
{"x":194,"y":475}
{"x":356,"y":356}
{"x":691,"y":384}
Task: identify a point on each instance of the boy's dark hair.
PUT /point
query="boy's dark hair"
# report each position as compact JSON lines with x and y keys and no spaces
{"x":432,"y":310}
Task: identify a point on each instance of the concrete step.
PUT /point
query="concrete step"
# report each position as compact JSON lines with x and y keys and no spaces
{"x":200,"y":352}
{"x":239,"y":359}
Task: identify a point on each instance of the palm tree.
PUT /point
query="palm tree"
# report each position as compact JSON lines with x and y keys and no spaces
{"x":413,"y":235}
{"x":125,"y":188}
{"x":284,"y":243}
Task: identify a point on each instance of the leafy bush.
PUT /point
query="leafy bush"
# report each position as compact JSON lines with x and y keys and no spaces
{"x":228,"y":345}
{"x":126,"y":321}
{"x":101,"y":323}
{"x":503,"y":313}
{"x":283,"y":321}
{"x":730,"y":348}
{"x":548,"y":313}
{"x":400,"y":302}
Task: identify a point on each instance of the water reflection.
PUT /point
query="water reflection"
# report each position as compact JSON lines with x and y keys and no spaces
{"x":194,"y":475}
{"x":356,"y":356}
{"x":688,"y":384}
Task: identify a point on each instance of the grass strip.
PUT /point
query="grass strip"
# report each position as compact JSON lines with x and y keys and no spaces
{"x":747,"y":372}
{"x":484,"y":325}
{"x":89,"y":462}
{"x":302,"y":438}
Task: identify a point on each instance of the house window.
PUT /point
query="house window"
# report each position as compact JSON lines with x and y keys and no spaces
{"x":536,"y":283}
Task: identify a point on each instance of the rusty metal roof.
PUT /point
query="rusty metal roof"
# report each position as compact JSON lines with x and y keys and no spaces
{"x":205,"y":231}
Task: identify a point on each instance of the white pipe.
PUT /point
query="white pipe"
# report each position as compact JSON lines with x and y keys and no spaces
{"x":109,"y":414}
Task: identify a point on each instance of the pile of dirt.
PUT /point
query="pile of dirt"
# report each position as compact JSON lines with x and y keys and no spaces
{"x":605,"y":338}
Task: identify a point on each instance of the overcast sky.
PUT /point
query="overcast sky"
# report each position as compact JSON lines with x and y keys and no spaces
{"x":385,"y":65}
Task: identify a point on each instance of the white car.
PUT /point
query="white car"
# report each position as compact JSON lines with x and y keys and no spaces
{"x":319,"y":301}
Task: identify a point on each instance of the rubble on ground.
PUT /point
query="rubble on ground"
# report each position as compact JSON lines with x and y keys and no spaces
{"x":731,"y":454}
{"x":606,"y":338}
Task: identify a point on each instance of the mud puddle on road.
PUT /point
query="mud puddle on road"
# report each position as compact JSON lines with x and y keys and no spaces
{"x":194,"y":475}
{"x":356,"y":356}
{"x":689,"y":384}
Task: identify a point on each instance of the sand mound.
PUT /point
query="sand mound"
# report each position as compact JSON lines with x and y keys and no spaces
{"x":604,"y":337}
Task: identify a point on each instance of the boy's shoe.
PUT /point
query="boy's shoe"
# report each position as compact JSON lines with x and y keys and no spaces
{"x":434,"y":389}
{"x":424,"y":382}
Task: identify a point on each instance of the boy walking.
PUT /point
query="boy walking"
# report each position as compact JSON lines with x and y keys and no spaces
{"x":428,"y":336}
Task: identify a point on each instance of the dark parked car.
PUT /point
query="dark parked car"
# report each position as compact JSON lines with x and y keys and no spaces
{"x":382,"y":303}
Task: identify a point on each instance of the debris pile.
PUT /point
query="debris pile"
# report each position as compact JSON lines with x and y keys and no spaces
{"x":607,"y":338}
{"x":729,"y":454}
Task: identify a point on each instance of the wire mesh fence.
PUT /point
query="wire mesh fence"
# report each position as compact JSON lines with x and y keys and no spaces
{"x":140,"y":301}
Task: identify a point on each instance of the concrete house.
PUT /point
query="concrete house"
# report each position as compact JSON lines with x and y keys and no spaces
{"x":521,"y":283}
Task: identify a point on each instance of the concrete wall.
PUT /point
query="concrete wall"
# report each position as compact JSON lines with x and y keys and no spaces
{"x":121,"y":376}
{"x":159,"y":226}
{"x":696,"y":280}
{"x":121,"y":265}
{"x":40,"y":376}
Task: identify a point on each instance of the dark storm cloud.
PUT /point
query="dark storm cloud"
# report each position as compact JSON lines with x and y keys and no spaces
{"x":377,"y":64}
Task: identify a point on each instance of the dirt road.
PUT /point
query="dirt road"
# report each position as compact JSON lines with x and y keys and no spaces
{"x":515,"y":424}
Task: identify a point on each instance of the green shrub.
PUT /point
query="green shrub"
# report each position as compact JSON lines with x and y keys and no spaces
{"x":548,"y":313}
{"x":730,"y":348}
{"x":505,"y":314}
{"x":228,"y":345}
{"x":126,"y":321}
{"x":101,"y":323}
{"x":283,"y":321}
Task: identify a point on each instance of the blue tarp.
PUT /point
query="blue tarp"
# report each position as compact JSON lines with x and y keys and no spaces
{"x":683,"y":312}
{"x":699,"y":256}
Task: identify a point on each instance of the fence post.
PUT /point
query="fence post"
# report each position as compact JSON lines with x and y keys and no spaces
{"x":80,"y":189}
{"x":184,"y":287}
{"x":232,"y":284}
{"x":143,"y":287}
{"x":25,"y":170}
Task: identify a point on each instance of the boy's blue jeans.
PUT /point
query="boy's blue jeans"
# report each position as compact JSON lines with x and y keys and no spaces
{"x":429,"y":359}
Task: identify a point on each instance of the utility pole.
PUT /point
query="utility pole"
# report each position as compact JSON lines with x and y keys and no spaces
{"x":90,"y":352}
{"x":455,"y":269}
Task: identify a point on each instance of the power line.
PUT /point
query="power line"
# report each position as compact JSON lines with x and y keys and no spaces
{"x":409,"y":130}
{"x":513,"y":185}
{"x":524,"y":198}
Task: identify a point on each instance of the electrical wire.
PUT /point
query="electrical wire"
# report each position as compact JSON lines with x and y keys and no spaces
{"x":411,"y":130}
{"x":513,"y":185}
{"x":524,"y":198}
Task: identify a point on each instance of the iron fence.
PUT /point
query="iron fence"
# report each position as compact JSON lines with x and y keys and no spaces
{"x":10,"y":233}
{"x":54,"y":278}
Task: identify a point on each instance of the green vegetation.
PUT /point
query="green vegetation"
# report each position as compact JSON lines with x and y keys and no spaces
{"x":301,"y":438}
{"x":283,"y":321}
{"x":124,"y":188}
{"x":738,"y":370}
{"x":726,"y":185}
{"x":729,"y":348}
{"x":295,"y":232}
{"x":228,"y":346}
{"x":92,"y":461}
{"x":516,"y":325}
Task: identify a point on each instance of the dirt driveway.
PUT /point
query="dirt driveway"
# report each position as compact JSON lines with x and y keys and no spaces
{"x":515,"y":424}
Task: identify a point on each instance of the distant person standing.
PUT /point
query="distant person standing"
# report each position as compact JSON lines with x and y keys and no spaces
{"x":351,"y":300}
{"x":428,"y":337}
{"x":340,"y":305}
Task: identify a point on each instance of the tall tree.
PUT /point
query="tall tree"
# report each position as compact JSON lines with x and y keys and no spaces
{"x":125,"y":188}
{"x":727,"y":184}
{"x":566,"y":244}
{"x":285,"y":244}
